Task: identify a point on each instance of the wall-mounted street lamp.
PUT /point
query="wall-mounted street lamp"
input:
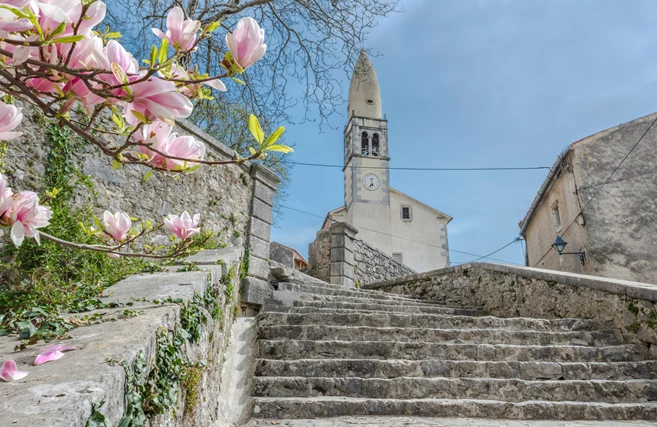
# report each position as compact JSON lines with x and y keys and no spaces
{"x":560,"y":244}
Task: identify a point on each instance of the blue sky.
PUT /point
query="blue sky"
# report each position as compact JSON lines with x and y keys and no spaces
{"x":486,"y":84}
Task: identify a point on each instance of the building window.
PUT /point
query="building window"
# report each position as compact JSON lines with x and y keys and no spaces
{"x":406,"y":213}
{"x":397,"y":256}
{"x":365,"y":144}
{"x":556,"y":216}
{"x":375,"y":144}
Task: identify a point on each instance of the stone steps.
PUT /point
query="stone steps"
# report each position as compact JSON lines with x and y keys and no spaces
{"x":326,"y":351}
{"x":383,"y":307}
{"x":473,"y":336}
{"x":325,"y":407}
{"x":302,"y":349}
{"x":319,"y":316}
{"x":333,"y":290}
{"x":305,"y":296}
{"x":369,"y":368}
{"x":508,"y":390}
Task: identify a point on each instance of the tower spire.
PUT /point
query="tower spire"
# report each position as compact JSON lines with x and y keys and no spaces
{"x":364,"y":92}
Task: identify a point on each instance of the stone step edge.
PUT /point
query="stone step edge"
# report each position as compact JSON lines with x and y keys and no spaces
{"x":360,"y":300}
{"x":328,"y":312}
{"x":418,"y":363}
{"x":445,"y":330}
{"x":344,"y":291}
{"x":473,"y":379}
{"x":335,"y":402}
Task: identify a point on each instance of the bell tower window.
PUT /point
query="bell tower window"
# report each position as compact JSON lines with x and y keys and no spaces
{"x":365,"y":144}
{"x":375,"y":144}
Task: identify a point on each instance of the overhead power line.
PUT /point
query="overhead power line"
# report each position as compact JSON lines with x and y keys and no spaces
{"x":410,"y":240}
{"x":606,"y":181}
{"x":423,"y":169}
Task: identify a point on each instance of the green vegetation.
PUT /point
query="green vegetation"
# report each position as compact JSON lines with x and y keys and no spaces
{"x":39,"y":282}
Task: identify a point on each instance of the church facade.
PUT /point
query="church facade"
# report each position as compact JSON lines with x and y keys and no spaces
{"x":402,"y":227}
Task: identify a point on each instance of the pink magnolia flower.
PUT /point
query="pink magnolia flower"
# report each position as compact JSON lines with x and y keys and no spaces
{"x":181,"y":32}
{"x":52,"y":352}
{"x":25,"y":215}
{"x":247,"y":42}
{"x":10,"y":118}
{"x":9,"y":22}
{"x":190,"y":90}
{"x":117,"y":225}
{"x":10,"y":371}
{"x":158,"y":136}
{"x":5,"y":193}
{"x":183,"y":226}
{"x":156,"y":99}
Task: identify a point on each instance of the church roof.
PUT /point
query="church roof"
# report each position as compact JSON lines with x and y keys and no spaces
{"x":443,"y":214}
{"x":364,"y":92}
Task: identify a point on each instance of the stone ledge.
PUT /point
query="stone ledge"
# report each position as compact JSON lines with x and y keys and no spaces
{"x":621,"y":287}
{"x":61,"y":393}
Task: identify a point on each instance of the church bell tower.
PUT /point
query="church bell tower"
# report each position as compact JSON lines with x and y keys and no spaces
{"x":366,"y":161}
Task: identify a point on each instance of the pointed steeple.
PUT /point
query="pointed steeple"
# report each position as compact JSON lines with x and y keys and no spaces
{"x":364,"y":92}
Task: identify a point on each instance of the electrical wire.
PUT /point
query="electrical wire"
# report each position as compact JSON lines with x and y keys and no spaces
{"x":404,"y":238}
{"x":581,"y":211}
{"x":422,"y":169}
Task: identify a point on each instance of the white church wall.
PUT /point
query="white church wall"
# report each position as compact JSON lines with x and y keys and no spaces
{"x":422,"y":240}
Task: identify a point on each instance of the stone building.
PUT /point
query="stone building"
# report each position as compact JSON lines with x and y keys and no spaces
{"x":615,"y":224}
{"x":287,"y":256}
{"x":406,"y":229}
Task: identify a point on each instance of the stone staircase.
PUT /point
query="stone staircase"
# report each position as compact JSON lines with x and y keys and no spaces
{"x":325,"y":351}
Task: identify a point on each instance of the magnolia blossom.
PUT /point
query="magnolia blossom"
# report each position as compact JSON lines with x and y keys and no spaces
{"x":52,"y":352}
{"x":181,"y":32}
{"x":183,"y":226}
{"x":116,"y":225}
{"x":10,"y":371}
{"x":10,"y":22}
{"x":10,"y":118}
{"x":157,"y":136}
{"x":191,"y":89}
{"x":156,"y":98}
{"x":25,"y":215}
{"x":247,"y":42}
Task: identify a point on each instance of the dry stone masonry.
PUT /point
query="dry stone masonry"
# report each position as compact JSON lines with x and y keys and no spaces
{"x":337,"y":256}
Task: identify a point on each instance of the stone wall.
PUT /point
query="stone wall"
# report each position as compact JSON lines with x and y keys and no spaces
{"x":62,"y":393}
{"x":372,"y":265}
{"x":221,"y":194}
{"x":336,"y":252}
{"x":508,"y":291}
{"x":319,"y":256}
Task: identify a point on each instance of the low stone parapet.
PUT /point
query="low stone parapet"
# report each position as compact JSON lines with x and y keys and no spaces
{"x":157,"y":355}
{"x":509,"y":291}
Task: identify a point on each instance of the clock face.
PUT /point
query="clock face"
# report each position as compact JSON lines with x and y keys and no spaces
{"x":371,"y":181}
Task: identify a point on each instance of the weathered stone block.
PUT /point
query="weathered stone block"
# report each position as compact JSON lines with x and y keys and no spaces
{"x":262,"y":211}
{"x":342,"y":255}
{"x":342,"y":241}
{"x":260,"y":229}
{"x":255,"y":291}
{"x":258,"y":268}
{"x":282,"y":254}
{"x":258,"y":247}
{"x":264,"y":193}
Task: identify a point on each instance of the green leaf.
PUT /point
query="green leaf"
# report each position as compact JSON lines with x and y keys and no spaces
{"x":164,"y":51}
{"x":238,"y":81}
{"x":116,"y":164}
{"x":148,"y":175}
{"x":213,"y":26}
{"x":113,"y":35}
{"x":140,"y":116}
{"x":97,"y":419}
{"x":60,"y":29}
{"x":256,"y":130}
{"x":280,"y":148}
{"x":153,"y":55}
{"x":275,"y":135}
{"x":26,"y":330}
{"x":68,"y":39}
{"x":252,"y":151}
